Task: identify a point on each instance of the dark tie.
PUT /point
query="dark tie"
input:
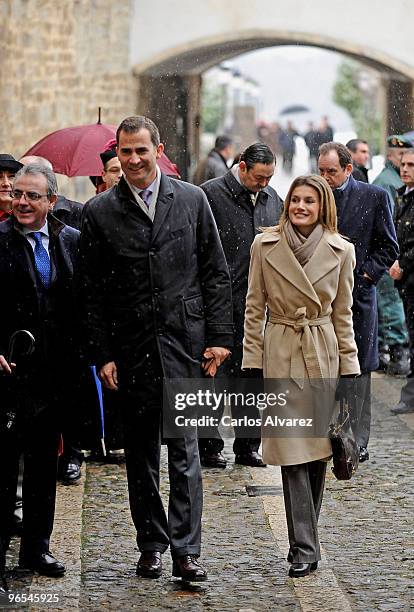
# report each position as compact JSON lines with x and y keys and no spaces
{"x":42,"y":261}
{"x":145,"y":196}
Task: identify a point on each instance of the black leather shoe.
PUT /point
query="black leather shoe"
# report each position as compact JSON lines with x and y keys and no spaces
{"x":71,"y":473}
{"x":215,"y":460}
{"x":402,"y":408}
{"x":298,"y":570}
{"x":45,"y":564}
{"x":252,"y":459}
{"x":188,"y":569}
{"x":149,"y":564}
{"x":363,"y":454}
{"x":399,"y":365}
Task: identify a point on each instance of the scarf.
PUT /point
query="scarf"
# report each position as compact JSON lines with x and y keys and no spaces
{"x":303,"y":247}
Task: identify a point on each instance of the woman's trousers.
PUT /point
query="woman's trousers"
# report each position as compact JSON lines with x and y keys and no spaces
{"x":303,"y":486}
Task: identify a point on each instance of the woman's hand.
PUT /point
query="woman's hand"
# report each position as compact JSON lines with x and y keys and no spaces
{"x":395,"y":271}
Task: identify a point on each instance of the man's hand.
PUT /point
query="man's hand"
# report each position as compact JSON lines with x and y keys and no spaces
{"x":395,"y":271}
{"x":365,"y":275}
{"x":5,"y":366}
{"x":108,"y":375}
{"x":213,"y":358}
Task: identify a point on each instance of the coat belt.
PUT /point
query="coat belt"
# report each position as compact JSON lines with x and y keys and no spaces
{"x":301,"y":324}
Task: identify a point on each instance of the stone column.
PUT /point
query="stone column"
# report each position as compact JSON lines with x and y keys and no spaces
{"x":173,"y":103}
{"x":400,"y":106}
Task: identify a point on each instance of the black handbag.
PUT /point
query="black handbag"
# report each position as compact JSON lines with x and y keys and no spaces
{"x":345,"y":450}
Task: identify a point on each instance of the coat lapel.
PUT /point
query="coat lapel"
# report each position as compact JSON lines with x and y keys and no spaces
{"x":322,"y":262}
{"x":164,"y":202}
{"x":281,"y":258}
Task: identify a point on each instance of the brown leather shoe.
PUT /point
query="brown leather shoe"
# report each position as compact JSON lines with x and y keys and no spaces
{"x":188,"y":569}
{"x":149,"y":564}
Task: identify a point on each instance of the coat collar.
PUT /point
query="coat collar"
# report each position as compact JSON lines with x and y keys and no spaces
{"x":162,"y":207}
{"x":282,"y":259}
{"x":237,"y":189}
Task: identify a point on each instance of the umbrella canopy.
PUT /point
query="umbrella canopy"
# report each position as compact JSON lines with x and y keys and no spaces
{"x":75,"y":151}
{"x":295,"y":108}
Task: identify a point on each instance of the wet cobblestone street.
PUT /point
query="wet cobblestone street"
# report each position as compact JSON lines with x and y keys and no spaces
{"x":366,"y":531}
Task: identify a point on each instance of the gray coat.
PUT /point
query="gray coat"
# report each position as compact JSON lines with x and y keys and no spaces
{"x":213,"y":166}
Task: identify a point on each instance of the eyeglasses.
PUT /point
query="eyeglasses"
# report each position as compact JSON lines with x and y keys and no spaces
{"x":29,"y":196}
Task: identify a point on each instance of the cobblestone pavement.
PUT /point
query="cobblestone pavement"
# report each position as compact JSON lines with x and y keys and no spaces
{"x":366,"y":532}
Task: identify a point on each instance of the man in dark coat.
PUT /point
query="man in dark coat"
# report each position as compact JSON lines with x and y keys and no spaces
{"x":37,"y":256}
{"x":359,"y":150}
{"x":69,"y":212}
{"x":215,"y":164}
{"x":157,"y":297}
{"x":242,"y":202}
{"x":365,"y":217}
{"x":402,"y":271}
{"x":392,"y":331}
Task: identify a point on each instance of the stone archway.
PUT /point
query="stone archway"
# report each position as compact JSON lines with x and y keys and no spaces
{"x":169,"y":83}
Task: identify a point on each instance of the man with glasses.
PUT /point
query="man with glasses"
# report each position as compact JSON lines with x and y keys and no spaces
{"x":37,"y":255}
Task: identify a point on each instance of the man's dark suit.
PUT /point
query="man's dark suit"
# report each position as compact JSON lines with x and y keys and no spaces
{"x":365,"y":217}
{"x":38,"y":388}
{"x":238,"y":222}
{"x":155,"y":295}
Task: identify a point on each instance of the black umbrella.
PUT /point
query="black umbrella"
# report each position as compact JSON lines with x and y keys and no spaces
{"x":295,"y":108}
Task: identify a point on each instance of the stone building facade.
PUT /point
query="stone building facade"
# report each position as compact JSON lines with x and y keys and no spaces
{"x":60,"y":61}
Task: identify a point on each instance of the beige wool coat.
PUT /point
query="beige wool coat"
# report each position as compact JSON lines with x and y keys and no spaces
{"x":298,"y":325}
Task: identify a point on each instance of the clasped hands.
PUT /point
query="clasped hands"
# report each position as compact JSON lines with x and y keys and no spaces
{"x":213,"y":357}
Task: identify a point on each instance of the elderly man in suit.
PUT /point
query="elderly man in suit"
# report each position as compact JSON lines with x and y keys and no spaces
{"x":37,"y":256}
{"x":365,"y":217}
{"x":157,"y":297}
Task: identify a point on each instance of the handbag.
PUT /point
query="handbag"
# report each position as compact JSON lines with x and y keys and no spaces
{"x":345,"y":450}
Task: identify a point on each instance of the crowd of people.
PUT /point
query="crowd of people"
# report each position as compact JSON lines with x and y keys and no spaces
{"x":157,"y":279}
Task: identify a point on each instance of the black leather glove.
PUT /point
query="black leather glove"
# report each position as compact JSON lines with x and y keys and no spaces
{"x":252,"y":373}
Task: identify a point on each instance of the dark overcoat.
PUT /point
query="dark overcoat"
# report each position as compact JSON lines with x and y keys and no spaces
{"x":365,"y":217}
{"x":160,"y":285}
{"x":52,"y":321}
{"x":404,"y":222}
{"x":68,"y":211}
{"x":238,"y":222}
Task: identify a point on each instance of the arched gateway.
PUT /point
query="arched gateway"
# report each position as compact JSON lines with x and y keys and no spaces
{"x":173,"y":43}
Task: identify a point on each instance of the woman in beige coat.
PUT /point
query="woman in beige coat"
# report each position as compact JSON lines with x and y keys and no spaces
{"x":298,"y":327}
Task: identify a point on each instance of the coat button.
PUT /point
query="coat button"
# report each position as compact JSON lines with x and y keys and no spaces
{"x":152,"y":252}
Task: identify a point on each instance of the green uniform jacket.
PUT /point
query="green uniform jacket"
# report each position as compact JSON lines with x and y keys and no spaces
{"x":389,"y":179}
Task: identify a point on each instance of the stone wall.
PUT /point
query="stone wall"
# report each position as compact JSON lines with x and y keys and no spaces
{"x":60,"y":61}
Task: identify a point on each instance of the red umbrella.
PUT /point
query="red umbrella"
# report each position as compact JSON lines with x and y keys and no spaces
{"x":75,"y":151}
{"x":167,"y":166}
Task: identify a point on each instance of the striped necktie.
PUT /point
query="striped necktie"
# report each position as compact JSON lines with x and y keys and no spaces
{"x":145,"y":195}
